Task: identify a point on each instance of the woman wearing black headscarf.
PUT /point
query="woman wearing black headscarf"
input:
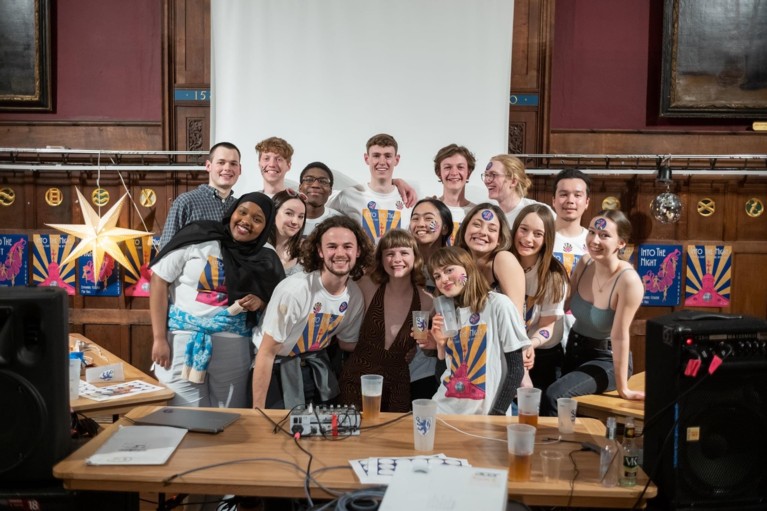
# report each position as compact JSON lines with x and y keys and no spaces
{"x":209,"y":285}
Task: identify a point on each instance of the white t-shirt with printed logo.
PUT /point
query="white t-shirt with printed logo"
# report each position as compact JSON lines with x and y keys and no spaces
{"x":378,"y":213}
{"x":569,"y":250}
{"x":474,"y":356}
{"x":303,"y":316}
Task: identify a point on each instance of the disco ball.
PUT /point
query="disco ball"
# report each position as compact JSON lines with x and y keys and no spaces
{"x":667,"y":208}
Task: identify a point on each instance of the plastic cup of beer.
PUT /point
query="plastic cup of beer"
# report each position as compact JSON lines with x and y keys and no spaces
{"x":424,"y":424}
{"x":521,"y":445}
{"x":420,"y":324}
{"x":372,"y":388}
{"x":551,"y":462}
{"x":566,"y":408}
{"x":528,"y":403}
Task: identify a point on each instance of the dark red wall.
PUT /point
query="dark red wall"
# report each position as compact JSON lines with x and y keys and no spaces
{"x":107,"y":62}
{"x":606,"y":66}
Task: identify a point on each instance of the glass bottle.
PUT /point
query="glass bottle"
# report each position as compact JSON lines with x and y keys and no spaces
{"x":630,"y":456}
{"x":608,"y":457}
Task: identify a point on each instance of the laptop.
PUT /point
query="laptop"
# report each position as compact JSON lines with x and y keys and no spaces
{"x":199,"y":421}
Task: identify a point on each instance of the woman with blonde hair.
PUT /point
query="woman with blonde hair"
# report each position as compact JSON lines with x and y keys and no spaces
{"x":484,"y":358}
{"x":392,"y":291}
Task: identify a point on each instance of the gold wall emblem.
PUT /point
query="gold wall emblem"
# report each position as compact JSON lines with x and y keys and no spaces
{"x":100,"y":197}
{"x":611,"y":203}
{"x":53,"y":196}
{"x":148,"y":197}
{"x":754,"y":207}
{"x":706,"y":207}
{"x":7,"y":196}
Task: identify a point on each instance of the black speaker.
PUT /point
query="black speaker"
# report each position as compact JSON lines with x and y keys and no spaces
{"x":34,"y":394}
{"x":705,"y":435}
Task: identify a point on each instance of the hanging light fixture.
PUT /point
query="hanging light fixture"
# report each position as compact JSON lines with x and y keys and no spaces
{"x":666,"y":208}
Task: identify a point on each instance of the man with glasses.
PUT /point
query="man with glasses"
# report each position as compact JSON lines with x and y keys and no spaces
{"x":274,"y":159}
{"x":317,"y":184}
{"x":209,"y":201}
{"x":507,"y":184}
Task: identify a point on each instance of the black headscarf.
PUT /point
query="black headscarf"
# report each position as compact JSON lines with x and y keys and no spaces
{"x":248,"y":267}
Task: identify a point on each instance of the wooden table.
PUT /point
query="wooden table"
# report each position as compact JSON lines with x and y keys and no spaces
{"x":119,"y":406}
{"x":249,"y":450}
{"x":601,"y":406}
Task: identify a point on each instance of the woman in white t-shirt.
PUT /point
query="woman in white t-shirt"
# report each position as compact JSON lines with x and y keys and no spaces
{"x":545,"y":290}
{"x":484,"y":358}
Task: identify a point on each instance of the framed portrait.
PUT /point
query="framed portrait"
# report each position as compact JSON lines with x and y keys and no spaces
{"x":25,"y":55}
{"x":714,"y":58}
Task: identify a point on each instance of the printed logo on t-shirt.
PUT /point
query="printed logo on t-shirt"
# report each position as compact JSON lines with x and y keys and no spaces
{"x":567,"y":247}
{"x":568,"y":260}
{"x":317,"y":332}
{"x":377,"y":222}
{"x":211,"y":287}
{"x":343,"y":306}
{"x":467,"y":355}
{"x":399,"y":204}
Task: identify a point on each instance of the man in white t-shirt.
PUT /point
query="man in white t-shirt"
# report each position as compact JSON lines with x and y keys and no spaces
{"x":507,"y":183}
{"x":377,"y":205}
{"x":317,"y":184}
{"x":572,"y":189}
{"x":306,"y":311}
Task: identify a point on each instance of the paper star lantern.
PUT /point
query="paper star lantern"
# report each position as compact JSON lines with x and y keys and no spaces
{"x":100,"y":235}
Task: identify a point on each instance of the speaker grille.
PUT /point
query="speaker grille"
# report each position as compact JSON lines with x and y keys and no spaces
{"x":21,"y":431}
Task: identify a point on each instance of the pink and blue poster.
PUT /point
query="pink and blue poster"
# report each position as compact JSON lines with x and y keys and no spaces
{"x":709,"y":276}
{"x":14,"y":254}
{"x":139,"y":251}
{"x":48,"y":250}
{"x":104,"y":283}
{"x":660,"y":268}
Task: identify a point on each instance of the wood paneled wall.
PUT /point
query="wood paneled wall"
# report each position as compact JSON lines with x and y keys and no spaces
{"x":122,"y":325}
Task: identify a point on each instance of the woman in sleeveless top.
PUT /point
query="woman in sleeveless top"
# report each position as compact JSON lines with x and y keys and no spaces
{"x":605,"y":293}
{"x":392,"y":292}
{"x":545,"y":291}
{"x":485,"y":234}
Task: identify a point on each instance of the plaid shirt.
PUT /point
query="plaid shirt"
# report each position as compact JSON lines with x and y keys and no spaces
{"x":204,"y":203}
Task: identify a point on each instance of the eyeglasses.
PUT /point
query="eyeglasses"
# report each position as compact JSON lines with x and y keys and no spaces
{"x":296,"y":195}
{"x":489,"y":177}
{"x":323,"y":181}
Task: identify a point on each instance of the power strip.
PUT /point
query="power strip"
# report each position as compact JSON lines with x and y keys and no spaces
{"x":325,"y":420}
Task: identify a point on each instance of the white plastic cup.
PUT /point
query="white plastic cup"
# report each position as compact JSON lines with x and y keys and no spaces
{"x":521,"y":444}
{"x":445,"y":307}
{"x":424,"y":424}
{"x":551,"y":462}
{"x":566,"y":409}
{"x":372,"y":388}
{"x":74,"y":378}
{"x":528,"y":404}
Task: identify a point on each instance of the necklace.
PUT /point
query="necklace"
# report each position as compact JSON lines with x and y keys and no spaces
{"x":601,"y":286}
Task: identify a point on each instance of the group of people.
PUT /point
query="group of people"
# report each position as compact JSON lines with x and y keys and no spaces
{"x":285,"y":297}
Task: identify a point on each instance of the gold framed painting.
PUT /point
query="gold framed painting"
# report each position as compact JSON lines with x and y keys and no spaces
{"x":714,"y":59}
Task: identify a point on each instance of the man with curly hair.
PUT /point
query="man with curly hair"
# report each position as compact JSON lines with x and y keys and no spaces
{"x":306,"y":312}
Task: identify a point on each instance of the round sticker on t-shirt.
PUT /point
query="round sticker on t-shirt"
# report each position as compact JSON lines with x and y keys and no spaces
{"x":372,"y":204}
{"x":343,"y":307}
{"x":474,"y":319}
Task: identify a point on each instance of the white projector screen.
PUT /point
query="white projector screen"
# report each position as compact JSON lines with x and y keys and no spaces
{"x":326,"y":75}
